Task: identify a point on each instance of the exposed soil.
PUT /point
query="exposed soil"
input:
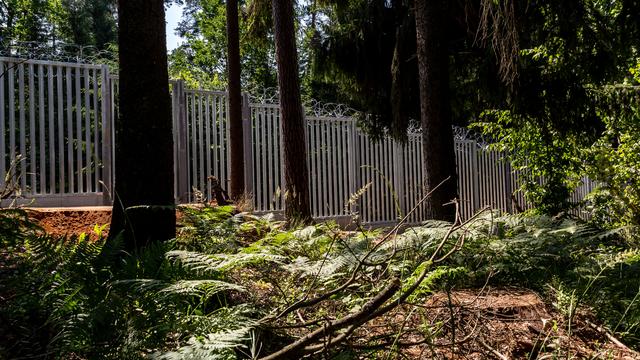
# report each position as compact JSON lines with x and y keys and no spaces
{"x":497,"y":323}
{"x":73,"y":221}
{"x":69,"y":222}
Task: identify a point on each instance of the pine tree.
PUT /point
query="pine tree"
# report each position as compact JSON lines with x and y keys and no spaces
{"x":292,"y":120}
{"x":439,"y":159}
{"x":144,"y":201}
{"x":236,"y":189}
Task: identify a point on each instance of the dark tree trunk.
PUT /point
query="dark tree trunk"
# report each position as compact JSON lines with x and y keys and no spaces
{"x":236,"y":189}
{"x":435,"y":107}
{"x":292,"y":120}
{"x":144,"y":204}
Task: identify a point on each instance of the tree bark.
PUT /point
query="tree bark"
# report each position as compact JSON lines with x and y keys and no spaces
{"x":292,"y":120}
{"x":435,"y":107}
{"x":143,"y":209}
{"x":236,"y":190}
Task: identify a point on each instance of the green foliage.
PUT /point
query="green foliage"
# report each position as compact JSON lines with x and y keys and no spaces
{"x":15,"y":226}
{"x":24,"y":20}
{"x":197,"y":297}
{"x":78,"y":22}
{"x":553,"y":121}
{"x":88,"y":298}
{"x":614,"y":159}
{"x":548,"y":159}
{"x":586,"y":265}
{"x":201,"y":60}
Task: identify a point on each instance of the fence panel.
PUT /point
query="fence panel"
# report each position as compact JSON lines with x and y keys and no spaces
{"x":379,"y":204}
{"x":267,"y":158}
{"x":207,"y":141}
{"x":52,"y":115}
{"x":328,"y":152}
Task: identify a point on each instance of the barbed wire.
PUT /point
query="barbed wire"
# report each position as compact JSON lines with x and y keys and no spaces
{"x":64,"y":52}
{"x":319,"y":109}
{"x":465,"y":134}
{"x":459,"y":133}
{"x":269,"y":96}
{"x":313,"y":107}
{"x":57,"y":51}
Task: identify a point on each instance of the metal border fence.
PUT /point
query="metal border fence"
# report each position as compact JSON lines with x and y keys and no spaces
{"x":57,"y":148}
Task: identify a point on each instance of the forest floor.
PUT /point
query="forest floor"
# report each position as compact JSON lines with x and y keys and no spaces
{"x":502,"y":323}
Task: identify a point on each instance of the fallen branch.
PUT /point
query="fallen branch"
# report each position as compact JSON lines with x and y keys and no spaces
{"x":611,"y":338}
{"x":305,"y":302}
{"x":495,"y":352}
{"x":322,"y":338}
{"x":351,"y":320}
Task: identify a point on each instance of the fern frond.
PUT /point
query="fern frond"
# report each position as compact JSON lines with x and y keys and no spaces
{"x":199,"y":287}
{"x":323,"y":269}
{"x":213,"y":346}
{"x":221,"y":262}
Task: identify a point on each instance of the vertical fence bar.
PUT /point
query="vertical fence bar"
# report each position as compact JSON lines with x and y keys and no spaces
{"x":279,"y":154}
{"x":331,"y":156}
{"x":255,"y":154}
{"x":275,"y":154}
{"x":32,"y":130}
{"x":340,"y":163}
{"x":247,"y":142}
{"x":23,"y":133}
{"x":115,"y":113}
{"x":271,"y":151}
{"x":322,"y":198}
{"x":107,"y":140}
{"x":183,"y":160}
{"x":313,"y":165}
{"x":60,"y":130}
{"x":216,"y":130}
{"x":41,"y":140}
{"x":201,"y":144}
{"x":207,"y":145}
{"x":194,"y":143}
{"x":52,"y":149}
{"x":263,"y":151}
{"x":96,"y":140}
{"x":70,"y":129}
{"x":388,"y":174}
{"x":12,"y":119}
{"x":398,"y":171}
{"x":174,"y":138}
{"x":224,"y":150}
{"x":87,"y":131}
{"x":79,"y":131}
{"x":174,"y":126}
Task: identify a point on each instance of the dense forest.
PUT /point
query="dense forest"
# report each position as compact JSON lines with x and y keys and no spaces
{"x":555,"y":85}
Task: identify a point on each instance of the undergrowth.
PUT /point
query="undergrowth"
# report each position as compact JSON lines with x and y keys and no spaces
{"x":216,"y":291}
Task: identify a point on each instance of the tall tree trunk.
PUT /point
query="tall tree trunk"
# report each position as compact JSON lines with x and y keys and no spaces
{"x":144,"y":202}
{"x":292,"y":120}
{"x":236,"y":189}
{"x":435,"y":107}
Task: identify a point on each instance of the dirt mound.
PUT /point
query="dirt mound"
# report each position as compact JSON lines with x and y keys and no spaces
{"x":495,"y":323}
{"x":90,"y":221}
{"x":73,"y":221}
